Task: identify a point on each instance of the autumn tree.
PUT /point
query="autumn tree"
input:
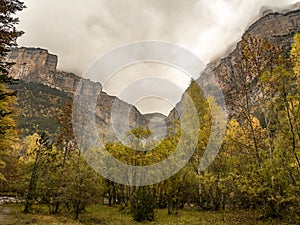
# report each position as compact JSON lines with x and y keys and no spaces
{"x":254,"y":57}
{"x":42,"y":153}
{"x":295,"y":55}
{"x":82,"y":185}
{"x":282,"y":91}
{"x":8,"y":37}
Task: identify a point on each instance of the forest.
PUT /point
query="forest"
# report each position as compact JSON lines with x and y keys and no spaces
{"x":256,"y":170}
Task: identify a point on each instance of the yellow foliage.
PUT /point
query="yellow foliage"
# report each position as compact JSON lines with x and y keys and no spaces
{"x":295,"y":54}
{"x":29,"y":144}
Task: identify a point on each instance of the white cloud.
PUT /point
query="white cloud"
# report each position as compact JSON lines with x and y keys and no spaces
{"x":80,"y":31}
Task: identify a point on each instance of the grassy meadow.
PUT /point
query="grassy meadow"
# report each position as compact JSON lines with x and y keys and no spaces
{"x":104,"y":215}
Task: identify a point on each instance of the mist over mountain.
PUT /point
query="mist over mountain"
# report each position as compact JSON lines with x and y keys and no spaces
{"x":35,"y":65}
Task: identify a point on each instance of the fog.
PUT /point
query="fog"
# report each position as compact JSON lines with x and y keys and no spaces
{"x":81,"y":31}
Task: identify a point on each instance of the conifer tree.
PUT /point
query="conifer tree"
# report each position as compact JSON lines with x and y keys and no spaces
{"x":8,"y":37}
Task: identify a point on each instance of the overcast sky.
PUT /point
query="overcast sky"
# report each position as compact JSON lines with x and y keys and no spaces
{"x":81,"y":31}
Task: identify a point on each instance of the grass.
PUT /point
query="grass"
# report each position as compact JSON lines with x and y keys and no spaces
{"x":105,"y":215}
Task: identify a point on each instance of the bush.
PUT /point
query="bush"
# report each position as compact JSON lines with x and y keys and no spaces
{"x":142,"y":205}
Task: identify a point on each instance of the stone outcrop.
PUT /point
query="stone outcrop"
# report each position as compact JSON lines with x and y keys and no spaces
{"x":32,"y":64}
{"x":39,"y":66}
{"x":276,"y":28}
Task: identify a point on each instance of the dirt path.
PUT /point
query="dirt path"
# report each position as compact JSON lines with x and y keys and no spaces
{"x":3,"y":213}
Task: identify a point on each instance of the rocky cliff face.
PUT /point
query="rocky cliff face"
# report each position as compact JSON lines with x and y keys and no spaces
{"x":32,"y":64}
{"x":37,"y":65}
{"x":276,"y":28}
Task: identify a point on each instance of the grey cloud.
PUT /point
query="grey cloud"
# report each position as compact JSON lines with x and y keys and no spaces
{"x":80,"y":31}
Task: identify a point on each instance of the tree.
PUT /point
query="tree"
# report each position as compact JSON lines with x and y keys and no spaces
{"x":65,"y":139}
{"x":254,"y":57}
{"x":8,"y":138}
{"x":8,"y":36}
{"x":82,"y":186}
{"x":143,"y":205}
{"x":283,"y":110}
{"x":295,"y":55}
{"x":43,"y":153}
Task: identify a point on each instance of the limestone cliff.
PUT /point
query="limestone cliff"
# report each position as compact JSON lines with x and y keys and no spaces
{"x":276,"y":28}
{"x":39,"y":66}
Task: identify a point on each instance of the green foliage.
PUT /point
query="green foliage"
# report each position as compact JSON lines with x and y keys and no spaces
{"x":258,"y":164}
{"x":8,"y":133}
{"x":81,"y":187}
{"x":8,"y":31}
{"x":8,"y":137}
{"x":142,"y":205}
{"x":56,"y":181}
{"x":257,"y":168}
{"x":39,"y":105}
{"x":43,"y":155}
{"x":98,"y":215}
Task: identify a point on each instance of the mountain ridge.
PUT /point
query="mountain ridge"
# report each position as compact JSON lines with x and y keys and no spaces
{"x":39,"y":66}
{"x":36,"y":65}
{"x":276,"y":28}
